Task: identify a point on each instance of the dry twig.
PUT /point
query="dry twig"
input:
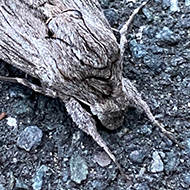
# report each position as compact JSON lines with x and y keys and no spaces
{"x":2,"y":115}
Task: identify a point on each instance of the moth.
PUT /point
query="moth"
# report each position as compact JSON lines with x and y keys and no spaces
{"x":70,"y":47}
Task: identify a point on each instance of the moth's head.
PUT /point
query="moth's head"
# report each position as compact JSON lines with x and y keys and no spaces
{"x":112,"y":120}
{"x":110,"y":113}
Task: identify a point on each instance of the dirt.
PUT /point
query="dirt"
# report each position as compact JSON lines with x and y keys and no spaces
{"x":157,"y":61}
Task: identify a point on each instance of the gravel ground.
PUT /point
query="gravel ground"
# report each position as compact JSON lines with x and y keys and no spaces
{"x":41,"y":148}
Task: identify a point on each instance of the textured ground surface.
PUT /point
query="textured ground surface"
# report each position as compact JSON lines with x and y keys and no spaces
{"x":59,"y":156}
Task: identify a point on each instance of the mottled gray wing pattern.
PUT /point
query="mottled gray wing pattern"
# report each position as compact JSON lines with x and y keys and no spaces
{"x":48,"y":37}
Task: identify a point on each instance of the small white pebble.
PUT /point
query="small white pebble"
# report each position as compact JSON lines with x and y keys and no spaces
{"x":187,"y":2}
{"x":174,"y":6}
{"x":182,"y":160}
{"x":65,"y":159}
{"x":12,"y":122}
{"x":15,"y":160}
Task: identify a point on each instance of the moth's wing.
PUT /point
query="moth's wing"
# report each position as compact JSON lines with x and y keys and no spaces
{"x":75,"y":53}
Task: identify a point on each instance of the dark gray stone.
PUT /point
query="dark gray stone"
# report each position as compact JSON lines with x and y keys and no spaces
{"x":1,"y":187}
{"x":187,"y":145}
{"x":147,"y":13}
{"x":167,"y":36}
{"x":141,"y":186}
{"x":20,"y":92}
{"x":111,"y":15}
{"x":150,"y":31}
{"x":96,"y":184}
{"x":104,"y":3}
{"x":38,"y":178}
{"x":78,"y":168}
{"x":165,"y":4}
{"x":176,"y":61}
{"x":137,"y":50}
{"x":22,"y":108}
{"x":187,"y":3}
{"x":174,"y":6}
{"x":186,"y":54}
{"x":185,"y":22}
{"x":145,"y":130}
{"x":152,"y":62}
{"x":20,"y":184}
{"x":137,"y":156}
{"x":29,"y":138}
{"x":157,"y":164}
{"x":155,"y":49}
{"x":186,"y":179}
{"x":65,"y":175}
{"x":171,"y":162}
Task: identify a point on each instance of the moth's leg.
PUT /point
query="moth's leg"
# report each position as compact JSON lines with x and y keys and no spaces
{"x":86,"y":123}
{"x":135,"y":98}
{"x":28,"y":84}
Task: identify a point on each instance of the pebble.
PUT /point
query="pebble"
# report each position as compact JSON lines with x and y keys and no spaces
{"x":174,"y":6}
{"x":29,"y":138}
{"x":185,"y":22}
{"x":1,"y":187}
{"x":152,"y":62}
{"x":20,"y":185}
{"x":112,"y":16}
{"x":187,"y":145}
{"x":155,"y":49}
{"x":165,"y":4}
{"x":148,"y":14}
{"x":104,"y":4}
{"x":150,"y":31}
{"x":11,"y":178}
{"x":20,"y":92}
{"x":145,"y":130}
{"x":65,"y":175}
{"x":102,"y":159}
{"x":167,"y":36}
{"x":137,"y":50}
{"x":187,"y":3}
{"x":186,"y":179}
{"x":78,"y":168}
{"x":38,"y":178}
{"x":22,"y":108}
{"x":176,"y":61}
{"x":141,"y":186}
{"x":171,"y":162}
{"x":76,"y":137}
{"x":137,"y":156}
{"x":12,"y":122}
{"x":157,"y":164}
{"x":96,"y":184}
